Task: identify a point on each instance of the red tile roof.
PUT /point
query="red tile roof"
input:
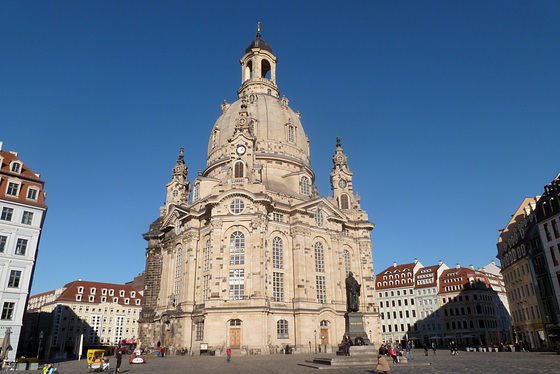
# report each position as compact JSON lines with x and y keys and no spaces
{"x":26,"y":176}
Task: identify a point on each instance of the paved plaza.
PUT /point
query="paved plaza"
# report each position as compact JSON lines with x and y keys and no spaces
{"x":473,"y":362}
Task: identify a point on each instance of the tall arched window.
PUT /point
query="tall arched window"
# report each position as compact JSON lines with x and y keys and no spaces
{"x":207,"y":256}
{"x":282,"y":329}
{"x":347,"y":262}
{"x":178,"y":262}
{"x":239,"y":170}
{"x":277,"y":253}
{"x":291,"y":133}
{"x":319,"y":258}
{"x":344,"y":204}
{"x":237,"y":248}
{"x":304,"y":186}
{"x":265,"y":69}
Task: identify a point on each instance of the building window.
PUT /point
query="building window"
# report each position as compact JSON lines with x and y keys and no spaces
{"x":291,"y":133}
{"x":21,"y":247}
{"x":16,"y":167}
{"x":196,"y":192}
{"x":555,"y":229}
{"x":205,"y":287}
{"x":3,"y":241}
{"x":347,"y":262}
{"x":137,"y":301}
{"x":238,"y":170}
{"x":8,"y":311}
{"x":199,"y":330}
{"x":91,"y":298}
{"x":179,"y":262}
{"x":319,"y":218}
{"x":344,"y":202}
{"x":236,"y":284}
{"x":12,"y":189}
{"x":277,"y":287}
{"x":27,"y":218}
{"x":121,"y":293}
{"x":321,"y":289}
{"x":177,"y":288}
{"x":103,"y":299}
{"x":304,"y":186}
{"x":282,"y":329}
{"x":547,"y":231}
{"x":79,"y":298}
{"x":207,"y":256}
{"x":15,"y":276}
{"x":277,"y":217}
{"x":7,"y":214}
{"x":237,"y":248}
{"x":32,"y":194}
{"x":319,"y":258}
{"x":277,"y":253}
{"x":237,"y":206}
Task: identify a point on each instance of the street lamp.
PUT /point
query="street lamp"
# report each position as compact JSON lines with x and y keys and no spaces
{"x":315,"y":332}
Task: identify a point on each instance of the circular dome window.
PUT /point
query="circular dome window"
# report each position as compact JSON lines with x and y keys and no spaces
{"x":237,"y":206}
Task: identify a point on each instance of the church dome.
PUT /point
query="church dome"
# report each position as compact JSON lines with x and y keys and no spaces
{"x":276,"y":127}
{"x":258,"y":43}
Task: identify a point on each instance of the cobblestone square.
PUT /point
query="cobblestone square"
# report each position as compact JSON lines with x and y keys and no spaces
{"x":473,"y":362}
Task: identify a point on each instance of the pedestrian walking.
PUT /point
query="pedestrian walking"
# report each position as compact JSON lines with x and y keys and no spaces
{"x":434,"y":347}
{"x":346,"y":342}
{"x":408,"y":348}
{"x":228,"y":354}
{"x":425,"y":348}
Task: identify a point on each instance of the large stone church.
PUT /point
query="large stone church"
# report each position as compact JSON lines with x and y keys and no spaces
{"x":249,"y":255}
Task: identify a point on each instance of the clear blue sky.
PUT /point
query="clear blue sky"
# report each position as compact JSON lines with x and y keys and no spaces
{"x":448,"y":110}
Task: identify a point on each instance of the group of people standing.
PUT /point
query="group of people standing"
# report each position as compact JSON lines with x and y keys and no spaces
{"x":397,"y":350}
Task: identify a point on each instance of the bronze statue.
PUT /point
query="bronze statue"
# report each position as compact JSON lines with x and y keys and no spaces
{"x":352,"y":293}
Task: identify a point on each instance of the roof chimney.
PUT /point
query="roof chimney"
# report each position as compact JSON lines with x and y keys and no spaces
{"x":471,"y":266}
{"x":457,"y":265}
{"x":415,"y":260}
{"x":493,"y":262}
{"x":1,"y":145}
{"x":440,"y":262}
{"x":395,"y":264}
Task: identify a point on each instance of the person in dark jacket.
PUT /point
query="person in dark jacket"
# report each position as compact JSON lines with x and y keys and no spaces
{"x":119,"y":361}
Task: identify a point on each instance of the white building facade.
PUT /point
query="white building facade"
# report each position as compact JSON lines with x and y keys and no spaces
{"x":22,"y":213}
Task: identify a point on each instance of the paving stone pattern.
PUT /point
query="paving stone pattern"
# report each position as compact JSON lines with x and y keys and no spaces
{"x":473,"y":362}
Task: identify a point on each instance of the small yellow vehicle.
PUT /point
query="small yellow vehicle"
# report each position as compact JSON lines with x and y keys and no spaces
{"x":96,"y":360}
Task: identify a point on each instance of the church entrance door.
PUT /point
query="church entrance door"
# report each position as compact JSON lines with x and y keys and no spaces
{"x":324,"y":336}
{"x":167,"y":335}
{"x":235,"y":338}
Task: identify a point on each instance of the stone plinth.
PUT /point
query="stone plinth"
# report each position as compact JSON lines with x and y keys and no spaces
{"x":355,"y":327}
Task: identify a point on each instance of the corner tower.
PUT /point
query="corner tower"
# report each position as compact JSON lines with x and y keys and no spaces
{"x":256,"y":260}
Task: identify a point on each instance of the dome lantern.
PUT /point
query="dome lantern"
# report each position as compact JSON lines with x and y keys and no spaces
{"x":258,"y":68}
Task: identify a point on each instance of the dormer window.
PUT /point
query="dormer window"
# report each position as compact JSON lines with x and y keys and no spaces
{"x":103,"y":299}
{"x":132,"y":293}
{"x":91,"y":298}
{"x":92,"y":290}
{"x":111,"y":292}
{"x":126,"y":301}
{"x":115,"y":299}
{"x":121,"y":293}
{"x":137,"y":301}
{"x":32,"y":193}
{"x":103,"y":291}
{"x":78,"y":297}
{"x":80,"y":290}
{"x":16,"y":167}
{"x":13,"y":188}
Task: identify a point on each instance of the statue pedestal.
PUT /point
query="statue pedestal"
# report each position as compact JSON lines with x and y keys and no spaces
{"x":355,"y":327}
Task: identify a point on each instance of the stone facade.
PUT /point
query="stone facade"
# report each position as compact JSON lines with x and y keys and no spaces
{"x":250,"y":256}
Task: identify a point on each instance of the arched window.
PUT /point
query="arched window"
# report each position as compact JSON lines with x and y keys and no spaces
{"x":265,"y":69}
{"x":239,"y":170}
{"x":324,"y":323}
{"x":319,"y":258}
{"x":277,"y":253}
{"x":319,"y":218}
{"x":282,"y":329}
{"x":196,"y":192}
{"x":207,"y":256}
{"x":304,"y":186}
{"x":347,"y":262}
{"x":344,"y":204}
{"x":291,"y":134}
{"x":178,"y":262}
{"x":248,"y":70}
{"x":237,"y":248}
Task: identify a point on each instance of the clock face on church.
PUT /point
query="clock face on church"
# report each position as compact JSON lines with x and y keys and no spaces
{"x":241,"y":149}
{"x":342,"y":183}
